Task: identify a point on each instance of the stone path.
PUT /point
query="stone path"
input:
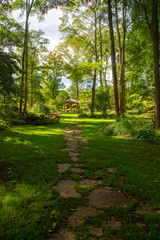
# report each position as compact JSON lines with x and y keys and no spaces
{"x":99,"y":198}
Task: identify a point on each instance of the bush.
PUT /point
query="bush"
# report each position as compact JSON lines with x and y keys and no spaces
{"x":137,"y":128}
{"x":38,"y":119}
{"x":3,"y":125}
{"x":114,"y":129}
{"x":148,"y":135}
{"x":40,"y":108}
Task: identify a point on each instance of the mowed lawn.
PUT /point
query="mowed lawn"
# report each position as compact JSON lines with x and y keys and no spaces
{"x":31,"y":209}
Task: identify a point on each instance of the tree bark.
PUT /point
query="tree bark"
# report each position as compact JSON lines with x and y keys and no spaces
{"x":26,"y":66}
{"x":32,"y":83}
{"x":22,"y":81}
{"x":101,"y":52}
{"x":113,"y":59}
{"x":24,"y":78}
{"x":121,"y":46}
{"x":77,"y":88}
{"x":155,"y":42}
{"x":96,"y":59}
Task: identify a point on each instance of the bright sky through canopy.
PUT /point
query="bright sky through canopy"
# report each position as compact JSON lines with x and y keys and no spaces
{"x":50,"y":28}
{"x":49,"y":25}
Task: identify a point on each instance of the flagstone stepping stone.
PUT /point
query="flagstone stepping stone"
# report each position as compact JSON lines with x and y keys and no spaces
{"x":69,"y":140}
{"x":89,"y":183}
{"x":103,"y":238}
{"x":113,"y":224}
{"x":145,"y":208}
{"x":66,"y":129}
{"x":80,"y":214}
{"x":77,"y":164}
{"x":78,"y":137}
{"x":66,"y":189}
{"x":111,"y":169}
{"x":103,"y":197}
{"x":141,"y":225}
{"x":82,"y":141}
{"x":75,"y":159}
{"x":70,"y":144}
{"x":95,"y":231}
{"x":87,"y":148}
{"x":73,"y":154}
{"x":78,"y":132}
{"x":69,"y":149}
{"x":62,"y":167}
{"x":69,"y":131}
{"x":63,"y":234}
{"x":66,"y":137}
{"x":77,"y":170}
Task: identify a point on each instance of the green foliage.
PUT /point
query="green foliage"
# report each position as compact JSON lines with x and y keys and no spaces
{"x":102,"y":100}
{"x":149,"y":135}
{"x":62,"y":96}
{"x":52,"y":76}
{"x":14,"y":118}
{"x":8,"y":67}
{"x":137,"y":128}
{"x":3,"y":125}
{"x":38,"y":119}
{"x":40,"y":108}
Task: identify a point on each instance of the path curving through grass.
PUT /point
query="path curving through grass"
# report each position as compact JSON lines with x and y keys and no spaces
{"x":116,"y":181}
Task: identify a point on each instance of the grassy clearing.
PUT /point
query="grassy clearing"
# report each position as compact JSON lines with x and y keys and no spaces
{"x":28,"y":171}
{"x":31,"y":209}
{"x":137,"y":174}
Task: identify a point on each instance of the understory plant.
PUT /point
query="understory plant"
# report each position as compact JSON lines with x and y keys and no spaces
{"x":3,"y":125}
{"x":40,"y":108}
{"x":136,"y":128}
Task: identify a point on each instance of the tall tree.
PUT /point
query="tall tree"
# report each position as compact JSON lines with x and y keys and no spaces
{"x":37,"y":47}
{"x":156,"y":61}
{"x":121,"y":46}
{"x":113,"y":59}
{"x":31,"y":6}
{"x":151,"y":16}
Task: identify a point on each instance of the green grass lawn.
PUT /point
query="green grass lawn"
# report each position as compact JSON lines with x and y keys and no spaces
{"x":29,"y":206}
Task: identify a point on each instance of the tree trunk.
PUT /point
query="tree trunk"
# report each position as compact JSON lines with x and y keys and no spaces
{"x":26,"y":61}
{"x":121,"y":46}
{"x":22,"y":81}
{"x":101,"y":52}
{"x":93,"y":90}
{"x":24,"y":77}
{"x":113,"y":59}
{"x":32,"y":84}
{"x":155,"y":42}
{"x":77,"y":87}
{"x":96,"y":59}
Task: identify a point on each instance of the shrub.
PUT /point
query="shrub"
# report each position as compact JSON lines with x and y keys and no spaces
{"x":114,"y":129}
{"x":40,"y":108}
{"x":149,"y":135}
{"x":137,"y":128}
{"x":3,"y":125}
{"x":38,"y":119}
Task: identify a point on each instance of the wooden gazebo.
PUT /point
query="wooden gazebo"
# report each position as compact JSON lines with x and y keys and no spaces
{"x":70,"y":102}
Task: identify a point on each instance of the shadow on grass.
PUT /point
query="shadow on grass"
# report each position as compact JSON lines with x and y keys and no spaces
{"x":29,"y":155}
